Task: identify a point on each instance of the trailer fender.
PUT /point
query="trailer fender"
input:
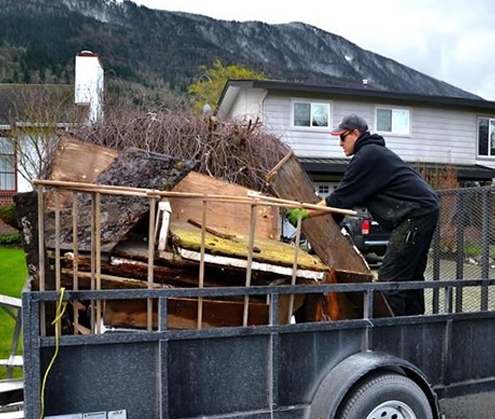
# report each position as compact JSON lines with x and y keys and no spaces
{"x":341,"y":380}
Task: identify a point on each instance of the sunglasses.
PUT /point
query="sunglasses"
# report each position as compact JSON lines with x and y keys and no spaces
{"x":345,"y":134}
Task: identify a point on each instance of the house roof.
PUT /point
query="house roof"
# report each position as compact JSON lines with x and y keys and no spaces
{"x":232,"y":88}
{"x":38,"y":103}
{"x":337,"y":166}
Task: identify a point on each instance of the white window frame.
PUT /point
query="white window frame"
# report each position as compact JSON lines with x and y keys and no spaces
{"x":320,"y":186}
{"x":394,"y":130}
{"x":311,"y":103}
{"x":491,"y":127}
{"x":12,"y":172}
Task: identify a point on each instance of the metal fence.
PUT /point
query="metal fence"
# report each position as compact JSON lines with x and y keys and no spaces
{"x":463,"y":248}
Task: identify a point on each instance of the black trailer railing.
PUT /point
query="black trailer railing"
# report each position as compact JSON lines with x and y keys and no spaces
{"x":463,"y":247}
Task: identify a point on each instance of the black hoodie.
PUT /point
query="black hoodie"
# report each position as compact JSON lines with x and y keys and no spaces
{"x":381,"y":181}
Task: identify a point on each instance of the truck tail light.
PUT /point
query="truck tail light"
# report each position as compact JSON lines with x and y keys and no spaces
{"x":365,"y":227}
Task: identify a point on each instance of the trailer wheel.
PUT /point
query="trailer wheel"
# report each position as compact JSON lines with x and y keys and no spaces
{"x":386,"y":396}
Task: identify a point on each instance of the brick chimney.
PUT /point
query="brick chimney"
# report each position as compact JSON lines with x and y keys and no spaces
{"x":88,"y":89}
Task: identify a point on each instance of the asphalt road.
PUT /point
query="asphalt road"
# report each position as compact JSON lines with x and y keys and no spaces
{"x":477,"y":406}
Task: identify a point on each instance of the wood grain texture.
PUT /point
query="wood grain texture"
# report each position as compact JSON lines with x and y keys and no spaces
{"x":77,"y":161}
{"x":133,"y":168}
{"x":288,"y":180}
{"x":230,"y":216}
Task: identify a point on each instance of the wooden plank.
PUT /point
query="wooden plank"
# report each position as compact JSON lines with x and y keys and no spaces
{"x":182,"y":313}
{"x":264,"y":250}
{"x":252,"y":265}
{"x":230,"y":216}
{"x":288,"y":180}
{"x":107,"y":281}
{"x":351,"y":303}
{"x":27,"y":211}
{"x":76,"y":161}
{"x":174,"y":271}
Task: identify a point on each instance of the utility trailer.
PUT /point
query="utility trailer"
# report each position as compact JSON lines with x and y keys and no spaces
{"x":361,"y":368}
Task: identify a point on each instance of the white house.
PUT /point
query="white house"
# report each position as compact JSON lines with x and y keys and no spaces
{"x":30,"y":111}
{"x":426,"y":130}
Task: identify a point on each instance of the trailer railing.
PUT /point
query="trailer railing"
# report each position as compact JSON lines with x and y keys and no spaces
{"x":71,"y":191}
{"x":449,"y":292}
{"x":463,"y":247}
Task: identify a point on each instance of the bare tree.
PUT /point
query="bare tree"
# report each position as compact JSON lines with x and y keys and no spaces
{"x":39,"y":112}
{"x":238,"y":151}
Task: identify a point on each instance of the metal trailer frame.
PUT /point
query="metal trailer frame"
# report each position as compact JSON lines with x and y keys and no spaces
{"x":260,"y":372}
{"x":252,"y":372}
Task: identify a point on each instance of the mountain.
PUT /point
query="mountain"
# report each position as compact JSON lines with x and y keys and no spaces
{"x":160,"y":49}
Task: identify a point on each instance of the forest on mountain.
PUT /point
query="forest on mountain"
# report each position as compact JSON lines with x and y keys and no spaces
{"x":162,"y":53}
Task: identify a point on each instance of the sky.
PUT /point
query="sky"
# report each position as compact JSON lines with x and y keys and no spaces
{"x":450,"y":40}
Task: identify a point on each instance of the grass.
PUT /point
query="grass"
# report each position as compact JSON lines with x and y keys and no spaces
{"x":474,"y":250}
{"x":13,"y":272}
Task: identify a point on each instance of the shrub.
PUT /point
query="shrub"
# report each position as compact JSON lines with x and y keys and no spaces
{"x":10,"y":239}
{"x":8,"y":215}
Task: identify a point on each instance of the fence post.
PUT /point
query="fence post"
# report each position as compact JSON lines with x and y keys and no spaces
{"x":436,"y":268}
{"x":485,"y":246}
{"x":461,"y":222}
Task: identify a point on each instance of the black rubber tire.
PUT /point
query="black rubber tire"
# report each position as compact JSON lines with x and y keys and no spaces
{"x":387,"y":396}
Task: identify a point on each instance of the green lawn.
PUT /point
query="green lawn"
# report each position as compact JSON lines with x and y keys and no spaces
{"x":13,"y":274}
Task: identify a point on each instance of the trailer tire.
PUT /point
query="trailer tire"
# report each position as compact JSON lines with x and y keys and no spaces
{"x":386,"y":396}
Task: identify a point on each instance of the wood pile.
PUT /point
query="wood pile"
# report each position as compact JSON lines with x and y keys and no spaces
{"x":205,"y":243}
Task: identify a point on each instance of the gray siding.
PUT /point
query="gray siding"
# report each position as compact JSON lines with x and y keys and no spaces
{"x":437,"y":135}
{"x":248,"y":104}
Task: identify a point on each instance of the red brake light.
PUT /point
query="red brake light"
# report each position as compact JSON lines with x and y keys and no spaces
{"x":365,"y":227}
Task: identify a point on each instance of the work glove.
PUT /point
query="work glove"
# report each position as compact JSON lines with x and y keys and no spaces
{"x":293,"y":214}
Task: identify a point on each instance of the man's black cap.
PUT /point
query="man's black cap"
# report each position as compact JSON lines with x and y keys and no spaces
{"x":351,"y":122}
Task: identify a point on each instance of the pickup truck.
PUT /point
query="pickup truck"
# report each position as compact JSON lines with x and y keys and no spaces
{"x":367,"y":235}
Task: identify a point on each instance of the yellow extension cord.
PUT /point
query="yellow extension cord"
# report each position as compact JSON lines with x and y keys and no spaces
{"x":58,"y":315}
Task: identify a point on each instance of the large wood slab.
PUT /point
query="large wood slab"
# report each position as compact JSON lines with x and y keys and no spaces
{"x":236,"y":246}
{"x":230,"y":216}
{"x":183,"y":313}
{"x":77,"y":161}
{"x":288,"y":180}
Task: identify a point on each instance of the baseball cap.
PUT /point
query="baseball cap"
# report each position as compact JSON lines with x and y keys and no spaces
{"x":351,"y":122}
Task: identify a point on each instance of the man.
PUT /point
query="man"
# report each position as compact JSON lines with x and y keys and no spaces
{"x":398,"y":199}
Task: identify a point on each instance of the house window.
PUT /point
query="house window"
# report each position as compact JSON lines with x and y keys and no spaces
{"x":394,"y":121}
{"x":323,"y":189}
{"x":486,"y":137}
{"x":7,"y":165}
{"x":307,"y":114}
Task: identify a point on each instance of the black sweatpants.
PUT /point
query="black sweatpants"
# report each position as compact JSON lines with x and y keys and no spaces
{"x":405,"y":260}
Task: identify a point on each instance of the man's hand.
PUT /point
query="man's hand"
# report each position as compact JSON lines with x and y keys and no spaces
{"x":293,"y":214}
